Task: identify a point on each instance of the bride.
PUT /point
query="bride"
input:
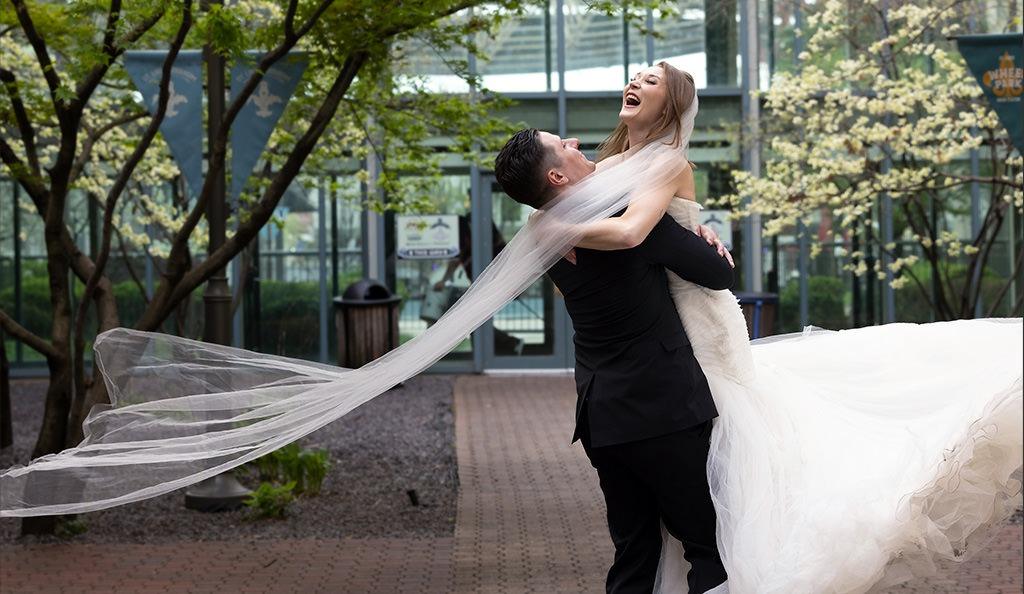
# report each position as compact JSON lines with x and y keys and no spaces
{"x":840,"y":461}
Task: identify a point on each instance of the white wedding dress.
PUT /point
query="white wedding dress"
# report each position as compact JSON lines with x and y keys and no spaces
{"x":853,"y":460}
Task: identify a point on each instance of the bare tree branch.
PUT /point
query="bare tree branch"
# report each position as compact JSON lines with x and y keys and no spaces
{"x":128,"y":265}
{"x":1006,"y":287}
{"x":113,"y":50}
{"x":42,"y":53}
{"x":113,"y":16}
{"x":33,"y":185}
{"x":24,"y":335}
{"x":289,"y":19}
{"x":25,"y":129}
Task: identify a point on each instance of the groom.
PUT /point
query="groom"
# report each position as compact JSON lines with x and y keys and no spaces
{"x":644,"y":408}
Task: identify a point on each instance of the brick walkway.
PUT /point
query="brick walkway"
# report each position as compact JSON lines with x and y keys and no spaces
{"x":530,"y":519}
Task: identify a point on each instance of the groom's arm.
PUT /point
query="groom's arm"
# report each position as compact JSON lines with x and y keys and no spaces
{"x":687,"y":255}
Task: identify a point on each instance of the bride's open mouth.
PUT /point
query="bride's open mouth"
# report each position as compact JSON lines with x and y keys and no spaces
{"x":631,"y":100}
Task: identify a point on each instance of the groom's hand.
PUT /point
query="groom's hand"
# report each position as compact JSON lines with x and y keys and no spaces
{"x":712,"y":238}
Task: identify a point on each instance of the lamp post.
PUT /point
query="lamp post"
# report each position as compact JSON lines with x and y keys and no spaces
{"x":223,"y":491}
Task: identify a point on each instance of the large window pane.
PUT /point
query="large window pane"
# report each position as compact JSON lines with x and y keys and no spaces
{"x":682,"y":40}
{"x":525,"y":325}
{"x":594,"y":58}
{"x":434,"y":66}
{"x":720,"y":38}
{"x":521,"y":56}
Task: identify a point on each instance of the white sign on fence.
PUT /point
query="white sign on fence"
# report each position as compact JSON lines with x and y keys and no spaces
{"x":427,"y":237}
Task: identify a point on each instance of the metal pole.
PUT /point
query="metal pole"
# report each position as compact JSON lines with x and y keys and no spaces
{"x":888,"y":295}
{"x":334,"y":245}
{"x":16,"y":221}
{"x":625,"y":50}
{"x":217,"y":296}
{"x":149,"y":265}
{"x":374,"y":265}
{"x":885,"y":224}
{"x":752,"y":148}
{"x":804,"y":259}
{"x":223,"y":491}
{"x":560,"y":59}
{"x":976,"y":197}
{"x":482,"y":339}
{"x":547,"y":43}
{"x":650,"y":37}
{"x":321,"y":212}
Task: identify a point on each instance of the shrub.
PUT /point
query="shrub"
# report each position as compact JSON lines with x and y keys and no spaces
{"x":825,"y":304}
{"x":912,"y":305}
{"x":306,"y":469}
{"x":270,"y":501}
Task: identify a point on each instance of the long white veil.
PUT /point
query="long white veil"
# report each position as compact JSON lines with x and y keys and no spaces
{"x":183,"y":410}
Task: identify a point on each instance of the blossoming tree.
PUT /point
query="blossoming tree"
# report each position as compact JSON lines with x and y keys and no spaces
{"x":882,"y":105}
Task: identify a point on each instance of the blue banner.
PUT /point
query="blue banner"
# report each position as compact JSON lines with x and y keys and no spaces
{"x":256,"y":120}
{"x":183,"y":121}
{"x":997,"y":61}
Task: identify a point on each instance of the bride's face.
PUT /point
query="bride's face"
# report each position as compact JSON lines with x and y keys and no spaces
{"x":644,"y":98}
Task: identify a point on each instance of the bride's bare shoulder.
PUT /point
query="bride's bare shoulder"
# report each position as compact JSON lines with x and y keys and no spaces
{"x":686,"y":187}
{"x":609,"y":162}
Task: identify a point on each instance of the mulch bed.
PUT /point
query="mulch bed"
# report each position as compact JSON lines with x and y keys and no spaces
{"x":401,"y":441}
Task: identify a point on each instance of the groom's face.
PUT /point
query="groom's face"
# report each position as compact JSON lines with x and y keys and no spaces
{"x":567,"y":164}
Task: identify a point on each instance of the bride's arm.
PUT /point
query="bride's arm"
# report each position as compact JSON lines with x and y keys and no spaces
{"x":642,"y":214}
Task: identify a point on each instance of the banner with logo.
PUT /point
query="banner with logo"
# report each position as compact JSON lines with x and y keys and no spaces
{"x":251,"y":129}
{"x":997,"y":61}
{"x":182,"y":126}
{"x":427,"y":237}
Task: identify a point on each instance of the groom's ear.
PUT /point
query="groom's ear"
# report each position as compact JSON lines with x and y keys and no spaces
{"x":557,"y":178}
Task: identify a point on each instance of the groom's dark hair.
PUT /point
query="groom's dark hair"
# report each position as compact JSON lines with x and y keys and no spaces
{"x":519,"y":168}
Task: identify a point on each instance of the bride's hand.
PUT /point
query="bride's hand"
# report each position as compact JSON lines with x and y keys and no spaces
{"x":712,"y":238}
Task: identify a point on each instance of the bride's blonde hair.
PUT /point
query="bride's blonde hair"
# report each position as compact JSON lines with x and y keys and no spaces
{"x":681,"y":92}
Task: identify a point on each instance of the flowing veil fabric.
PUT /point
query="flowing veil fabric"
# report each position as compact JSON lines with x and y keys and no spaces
{"x":182,"y":411}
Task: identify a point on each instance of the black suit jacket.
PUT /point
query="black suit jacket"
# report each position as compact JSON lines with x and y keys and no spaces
{"x":635,"y":370}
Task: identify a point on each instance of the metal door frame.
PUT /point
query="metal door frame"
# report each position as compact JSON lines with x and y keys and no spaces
{"x":562,"y":356}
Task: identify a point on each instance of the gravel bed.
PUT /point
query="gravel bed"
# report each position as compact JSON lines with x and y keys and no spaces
{"x":402,"y":440}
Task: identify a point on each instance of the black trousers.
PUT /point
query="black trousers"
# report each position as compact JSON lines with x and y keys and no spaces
{"x":654,"y":481}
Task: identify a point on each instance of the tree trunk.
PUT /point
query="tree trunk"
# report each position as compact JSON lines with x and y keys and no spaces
{"x":6,"y":425}
{"x":95,"y":390}
{"x":52,"y":433}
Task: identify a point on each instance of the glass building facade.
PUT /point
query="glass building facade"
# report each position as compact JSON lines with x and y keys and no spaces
{"x":564,"y":68}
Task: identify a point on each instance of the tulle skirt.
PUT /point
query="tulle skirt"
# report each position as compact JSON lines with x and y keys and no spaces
{"x":857,"y":459}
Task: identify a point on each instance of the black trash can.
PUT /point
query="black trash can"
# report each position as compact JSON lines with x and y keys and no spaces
{"x":366,"y":320}
{"x":760,"y":310}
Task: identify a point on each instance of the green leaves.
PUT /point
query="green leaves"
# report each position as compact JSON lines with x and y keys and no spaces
{"x":270,"y":501}
{"x":221,"y":27}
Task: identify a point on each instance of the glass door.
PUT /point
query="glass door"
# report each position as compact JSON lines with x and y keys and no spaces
{"x":533,"y":331}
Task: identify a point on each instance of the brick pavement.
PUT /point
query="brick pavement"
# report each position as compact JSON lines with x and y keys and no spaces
{"x":530,"y":519}
{"x":273,"y":566}
{"x":530,"y":512}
